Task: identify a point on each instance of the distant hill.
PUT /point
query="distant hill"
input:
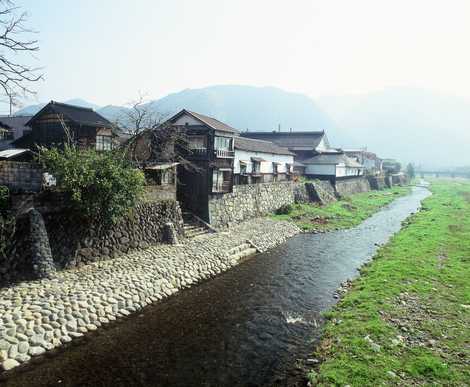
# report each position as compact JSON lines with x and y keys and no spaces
{"x":248,"y":107}
{"x":405,"y":123}
{"x":33,"y":109}
{"x":243,"y":107}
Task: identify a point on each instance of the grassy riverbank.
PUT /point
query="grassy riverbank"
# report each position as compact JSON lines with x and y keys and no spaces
{"x":345,"y":213}
{"x":406,"y":320}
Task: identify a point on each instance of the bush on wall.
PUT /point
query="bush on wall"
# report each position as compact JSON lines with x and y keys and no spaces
{"x":103,"y":186}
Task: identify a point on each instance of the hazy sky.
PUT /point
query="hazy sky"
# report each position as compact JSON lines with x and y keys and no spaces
{"x":105,"y":51}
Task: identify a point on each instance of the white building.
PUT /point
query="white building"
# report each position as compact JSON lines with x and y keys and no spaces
{"x":259,"y":161}
{"x":332,"y":165}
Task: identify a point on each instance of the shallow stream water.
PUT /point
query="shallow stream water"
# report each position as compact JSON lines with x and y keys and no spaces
{"x":247,"y":327}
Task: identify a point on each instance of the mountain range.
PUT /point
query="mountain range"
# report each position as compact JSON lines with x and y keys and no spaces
{"x":412,"y":125}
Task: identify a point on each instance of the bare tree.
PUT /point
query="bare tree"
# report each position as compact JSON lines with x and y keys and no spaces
{"x":15,"y":77}
{"x":139,"y":116}
{"x":152,"y":139}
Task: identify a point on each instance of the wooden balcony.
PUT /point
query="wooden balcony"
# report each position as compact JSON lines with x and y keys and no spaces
{"x":198,"y":153}
{"x":224,"y":154}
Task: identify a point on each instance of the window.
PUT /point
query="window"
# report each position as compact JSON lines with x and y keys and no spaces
{"x":103,"y":142}
{"x":5,"y":134}
{"x":223,"y":143}
{"x":275,"y":168}
{"x":221,"y":179}
{"x":242,"y":168}
{"x":197,"y":142}
{"x":256,"y":169}
{"x":168,"y":177}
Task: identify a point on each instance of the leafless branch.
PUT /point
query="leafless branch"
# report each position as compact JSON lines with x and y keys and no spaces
{"x":16,"y":78}
{"x":163,"y":142}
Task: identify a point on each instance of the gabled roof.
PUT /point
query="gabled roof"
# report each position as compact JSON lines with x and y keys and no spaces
{"x":78,"y":114}
{"x":17,"y":124}
{"x":209,"y":121}
{"x":291,"y":140}
{"x":333,"y":158}
{"x":252,"y":145}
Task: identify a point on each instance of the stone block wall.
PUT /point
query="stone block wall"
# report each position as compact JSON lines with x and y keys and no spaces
{"x":249,"y":201}
{"x":73,"y":241}
{"x":377,"y":182}
{"x":20,"y":176}
{"x":352,"y":186}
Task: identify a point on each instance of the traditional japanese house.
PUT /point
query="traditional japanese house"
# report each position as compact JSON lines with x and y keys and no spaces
{"x":332,"y":165}
{"x":160,"y":168}
{"x":56,"y":123}
{"x":372,"y":164}
{"x":304,"y":144}
{"x":12,"y":128}
{"x":258,"y":161}
{"x":210,"y":154}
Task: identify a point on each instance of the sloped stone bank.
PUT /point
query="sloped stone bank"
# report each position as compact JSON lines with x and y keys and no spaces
{"x":38,"y":316}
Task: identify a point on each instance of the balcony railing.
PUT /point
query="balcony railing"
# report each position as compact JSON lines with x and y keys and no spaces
{"x":224,"y":154}
{"x":198,"y":152}
{"x":225,"y":187}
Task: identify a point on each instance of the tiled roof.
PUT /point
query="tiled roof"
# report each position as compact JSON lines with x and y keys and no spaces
{"x":289,"y":140}
{"x":251,"y":145}
{"x":209,"y":121}
{"x":77,"y":114}
{"x":332,"y":158}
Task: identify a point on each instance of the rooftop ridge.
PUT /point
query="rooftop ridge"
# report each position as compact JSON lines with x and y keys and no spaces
{"x":293,"y":132}
{"x":70,"y":105}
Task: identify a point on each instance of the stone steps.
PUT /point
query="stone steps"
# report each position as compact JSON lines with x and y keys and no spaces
{"x":241,"y":251}
{"x":192,"y":228}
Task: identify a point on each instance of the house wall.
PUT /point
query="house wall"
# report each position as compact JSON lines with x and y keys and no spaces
{"x":320,"y":169}
{"x":249,"y":201}
{"x":21,"y":176}
{"x":265,"y":167}
{"x":344,"y":171}
{"x":322,"y":145}
{"x":186,"y":118}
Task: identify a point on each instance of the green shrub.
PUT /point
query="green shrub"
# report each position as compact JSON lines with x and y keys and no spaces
{"x":103,"y":186}
{"x":284,"y":210}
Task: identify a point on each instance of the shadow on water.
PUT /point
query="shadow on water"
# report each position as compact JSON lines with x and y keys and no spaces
{"x":246,"y":327}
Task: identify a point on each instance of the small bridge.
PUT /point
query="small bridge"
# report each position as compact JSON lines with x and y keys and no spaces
{"x":452,"y":174}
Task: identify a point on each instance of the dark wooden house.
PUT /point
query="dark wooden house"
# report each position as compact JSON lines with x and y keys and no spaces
{"x":12,"y":128}
{"x":57,"y":122}
{"x":210,"y":152}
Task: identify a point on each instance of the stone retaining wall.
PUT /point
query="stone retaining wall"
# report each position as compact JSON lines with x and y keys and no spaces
{"x":74,"y":242}
{"x":377,"y":182}
{"x":249,"y":201}
{"x":21,"y":176}
{"x":352,"y":186}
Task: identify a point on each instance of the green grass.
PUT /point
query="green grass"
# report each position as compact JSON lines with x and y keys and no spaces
{"x":345,"y":213}
{"x":412,"y":300}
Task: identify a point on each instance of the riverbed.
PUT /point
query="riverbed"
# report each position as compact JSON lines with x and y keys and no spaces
{"x":250,"y":326}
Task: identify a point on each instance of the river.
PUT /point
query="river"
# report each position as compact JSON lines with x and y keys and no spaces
{"x":247,"y":327}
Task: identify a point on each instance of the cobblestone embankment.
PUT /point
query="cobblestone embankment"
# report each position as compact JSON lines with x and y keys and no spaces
{"x":38,"y":316}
